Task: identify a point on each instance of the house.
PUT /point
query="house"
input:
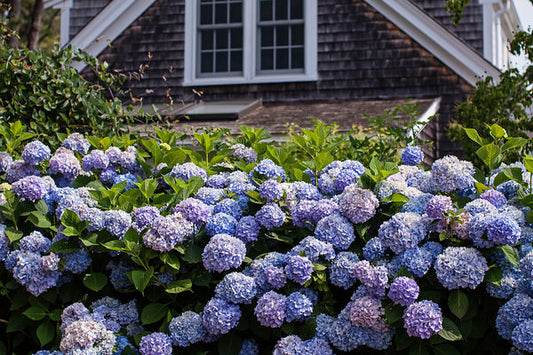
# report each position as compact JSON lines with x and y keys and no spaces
{"x":265,"y":62}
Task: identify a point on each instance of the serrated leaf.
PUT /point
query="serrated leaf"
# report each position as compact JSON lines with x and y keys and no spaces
{"x":12,"y":234}
{"x":449,"y":330}
{"x":179,"y":286}
{"x":70,"y":219}
{"x":458,"y":303}
{"x":131,"y":238}
{"x":494,"y":275}
{"x":35,"y":313}
{"x":474,"y":136}
{"x":510,"y":254}
{"x":65,"y":246}
{"x":497,"y":131}
{"x":95,"y":281}
{"x":39,"y":220}
{"x":141,"y":278}
{"x":153,"y":312}
{"x":193,"y":254}
{"x":171,"y":260}
{"x":46,"y":332}
{"x":114,"y":245}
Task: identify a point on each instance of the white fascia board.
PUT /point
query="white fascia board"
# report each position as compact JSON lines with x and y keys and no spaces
{"x":53,"y":3}
{"x":114,"y":19}
{"x":431,"y":35}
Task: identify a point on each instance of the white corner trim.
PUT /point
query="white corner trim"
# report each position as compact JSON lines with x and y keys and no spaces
{"x":114,"y":19}
{"x":424,"y":118}
{"x":427,"y":32}
{"x":64,"y":7}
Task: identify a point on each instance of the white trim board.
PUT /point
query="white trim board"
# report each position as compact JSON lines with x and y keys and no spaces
{"x":440,"y":42}
{"x":114,"y":19}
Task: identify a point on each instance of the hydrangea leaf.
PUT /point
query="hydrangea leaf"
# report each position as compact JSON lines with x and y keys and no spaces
{"x":510,"y":254}
{"x":450,"y":331}
{"x":95,"y":281}
{"x":458,"y":303}
{"x":46,"y":332}
{"x":179,"y":286}
{"x":153,"y":312}
{"x":230,"y":345}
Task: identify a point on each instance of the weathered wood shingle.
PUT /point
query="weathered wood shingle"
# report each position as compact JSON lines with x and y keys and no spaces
{"x":82,"y":12}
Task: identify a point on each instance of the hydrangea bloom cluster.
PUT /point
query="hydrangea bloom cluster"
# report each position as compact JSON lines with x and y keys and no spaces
{"x":460,"y":267}
{"x":451,"y":174}
{"x":403,"y":291}
{"x":412,"y":155}
{"x":422,"y":319}
{"x":403,"y":231}
{"x":268,"y":168}
{"x":35,"y":152}
{"x":338,"y":175}
{"x":223,"y":252}
{"x":358,"y":205}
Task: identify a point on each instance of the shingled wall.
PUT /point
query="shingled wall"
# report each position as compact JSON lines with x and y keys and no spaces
{"x":82,"y":12}
{"x":361,"y":55}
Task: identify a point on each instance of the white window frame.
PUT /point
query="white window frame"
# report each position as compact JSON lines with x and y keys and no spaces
{"x":250,"y":73}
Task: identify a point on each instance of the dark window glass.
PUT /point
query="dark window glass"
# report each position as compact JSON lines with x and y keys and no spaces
{"x":222,"y":39}
{"x":265,"y":10}
{"x":221,"y":13}
{"x":206,"y":14}
{"x":297,"y":9}
{"x":236,"y":61}
{"x":297,"y":58}
{"x":236,"y":37}
{"x":267,"y":59}
{"x":282,"y":35}
{"x":282,"y":58}
{"x":207,"y":62}
{"x":297,"y":35}
{"x":221,"y":62}
{"x":235,"y":14}
{"x":281,"y":10}
{"x":206,"y":39}
{"x":267,"y":36}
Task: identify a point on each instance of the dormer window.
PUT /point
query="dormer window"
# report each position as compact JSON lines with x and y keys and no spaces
{"x":241,"y":42}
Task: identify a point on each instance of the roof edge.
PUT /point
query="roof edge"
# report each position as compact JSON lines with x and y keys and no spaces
{"x":435,"y":38}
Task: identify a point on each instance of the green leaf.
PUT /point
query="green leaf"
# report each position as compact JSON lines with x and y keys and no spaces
{"x":528,"y":163}
{"x":445,"y":349}
{"x":490,"y":154}
{"x":115,"y":245}
{"x":17,"y":322}
{"x":514,"y":142}
{"x":458,"y":303}
{"x":141,"y":278}
{"x":39,"y":219}
{"x":529,"y":216}
{"x":65,"y":246}
{"x":70,"y":219}
{"x":230,"y":345}
{"x":95,"y":281}
{"x":510,"y":254}
{"x":497,"y":131}
{"x":193,"y":254}
{"x":153,"y":312}
{"x":418,"y":348}
{"x":131,"y":238}
{"x":393,"y":314}
{"x":46,"y":332}
{"x":449,"y":330}
{"x":473,"y":135}
{"x":35,"y":313}
{"x":171,"y":260}
{"x":12,"y":234}
{"x":494,"y":275}
{"x":179,"y":286}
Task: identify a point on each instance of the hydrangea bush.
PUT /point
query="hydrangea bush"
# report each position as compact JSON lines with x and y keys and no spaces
{"x":150,"y":247}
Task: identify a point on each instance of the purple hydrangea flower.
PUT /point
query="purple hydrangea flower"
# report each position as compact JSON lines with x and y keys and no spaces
{"x":77,"y":261}
{"x":450,"y":174}
{"x":217,"y":181}
{"x":299,"y":307}
{"x":523,"y":336}
{"x":269,"y":169}
{"x":437,"y":205}
{"x":19,"y":169}
{"x":403,"y":291}
{"x":290,"y":345}
{"x":503,"y":230}
{"x":194,"y":210}
{"x":118,"y":276}
{"x":336,"y":230}
{"x":495,"y":197}
{"x":270,"y":216}
{"x":313,"y":249}
{"x":375,"y":278}
{"x":28,"y":271}
{"x":422,"y":319}
{"x":271,"y":190}
{"x":107,"y":176}
{"x":403,"y":231}
{"x":187,"y":329}
{"x":35,"y":242}
{"x":96,"y":160}
{"x":366,"y":312}
{"x":155,"y":344}
{"x":31,"y":188}
{"x":188,"y":170}
{"x":223,"y":252}
{"x":275,"y":276}
{"x":77,"y":143}
{"x":460,"y":267}
{"x":358,"y":205}
{"x":412,"y":155}
{"x":341,"y":270}
{"x":236,"y":288}
{"x":64,"y":163}
{"x":247,"y":229}
{"x":374,"y":249}
{"x":117,"y":222}
{"x":167,"y":231}
{"x":4,"y":242}
{"x":302,"y":213}
{"x":221,"y":223}
{"x":417,"y":260}
{"x":271,"y":309}
{"x":144,"y":217}
{"x":5,"y":161}
{"x":299,"y":269}
{"x":219,"y":316}
{"x":242,"y":152}
{"x":87,"y":336}
{"x":35,"y":152}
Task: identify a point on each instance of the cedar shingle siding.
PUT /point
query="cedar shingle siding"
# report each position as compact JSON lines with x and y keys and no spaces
{"x":82,"y":12}
{"x":361,"y":55}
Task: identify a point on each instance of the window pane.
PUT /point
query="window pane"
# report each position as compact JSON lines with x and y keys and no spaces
{"x":222,"y":39}
{"x":235,"y":12}
{"x":207,"y":62}
{"x":282,"y":35}
{"x":236,"y":61}
{"x":281,"y":10}
{"x":297,"y":9}
{"x":206,"y":14}
{"x":221,"y":13}
{"x":267,"y":36}
{"x":297,"y":35}
{"x":265,"y":10}
{"x":206,"y":37}
{"x":297,"y":58}
{"x":267,"y":59}
{"x":236,"y":37}
{"x":282,"y":59}
{"x":221,"y":62}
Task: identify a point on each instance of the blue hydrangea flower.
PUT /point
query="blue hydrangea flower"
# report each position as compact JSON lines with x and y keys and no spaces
{"x":209,"y":195}
{"x":403,"y":291}
{"x":96,"y":160}
{"x":28,"y":271}
{"x":240,"y":151}
{"x":302,"y":213}
{"x":118,"y":274}
{"x":323,"y":325}
{"x":345,"y":336}
{"x":299,"y":269}
{"x":5,"y":161}
{"x":412,"y":155}
{"x":417,"y":260}
{"x":35,"y":242}
{"x":479,"y":206}
{"x":403,"y":231}
{"x":217,"y":181}
{"x":271,"y":309}
{"x":366,"y":312}
{"x":129,"y":178}
{"x":299,"y":307}
{"x":512,"y":313}
{"x":194,"y":210}
{"x":249,"y":347}
{"x":117,"y":222}
{"x":358,"y":205}
{"x":313,"y":249}
{"x":269,"y":169}
{"x":187,"y":329}
{"x":87,"y":336}
{"x":167,"y":231}
{"x":77,"y":143}
{"x":31,"y":188}
{"x":275,"y":276}
{"x":77,"y":261}
{"x":341,"y":270}
{"x":223,"y":252}
{"x":374,"y":249}
{"x":460,"y":267}
{"x":228,"y":206}
{"x":188,"y":170}
{"x":19,"y":169}
{"x":422,"y":319}
{"x":305,"y":191}
{"x":289,"y":345}
{"x":495,"y":197}
{"x":335,"y":230}
{"x":450,"y":174}
{"x":374,"y":277}
{"x":236,"y":288}
{"x":247,"y":229}
{"x":271,"y":190}
{"x":219,"y":316}
{"x":35,"y":152}
{"x":437,"y":205}
{"x":270,"y":216}
{"x":64,"y":163}
{"x":144,"y":217}
{"x":417,"y":204}
{"x":522,"y":336}
{"x":155,"y":344}
{"x":503,"y":230}
{"x":4,"y":242}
